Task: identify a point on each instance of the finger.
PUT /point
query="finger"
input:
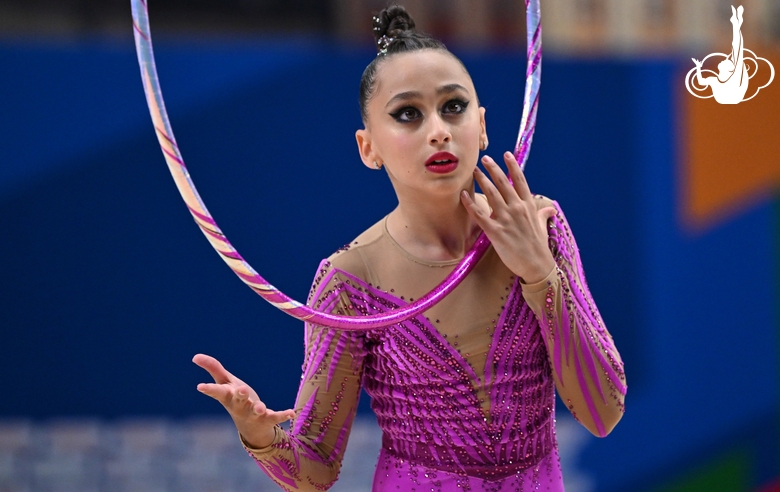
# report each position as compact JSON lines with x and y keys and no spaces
{"x":243,"y":401}
{"x":546,"y":214}
{"x":494,"y":198}
{"x":500,"y":180}
{"x":242,"y":393}
{"x":235,"y":400}
{"x":474,"y":210}
{"x":279,"y":417}
{"x":259,"y":408}
{"x":521,"y":185}
{"x":518,"y":177}
{"x":219,"y":392}
{"x":497,"y":198}
{"x":212,"y":365}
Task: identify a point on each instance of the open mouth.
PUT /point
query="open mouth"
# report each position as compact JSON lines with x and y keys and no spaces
{"x":441,"y":163}
{"x":441,"y":159}
{"x":444,"y":162}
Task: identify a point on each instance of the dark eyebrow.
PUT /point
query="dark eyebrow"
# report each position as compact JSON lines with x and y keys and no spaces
{"x":445,"y":89}
{"x":404,"y":96}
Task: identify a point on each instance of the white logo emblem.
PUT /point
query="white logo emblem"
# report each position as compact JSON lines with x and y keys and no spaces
{"x":730,"y":84}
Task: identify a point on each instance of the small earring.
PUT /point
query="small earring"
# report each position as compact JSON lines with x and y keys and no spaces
{"x":377,"y":166}
{"x":484,"y":145}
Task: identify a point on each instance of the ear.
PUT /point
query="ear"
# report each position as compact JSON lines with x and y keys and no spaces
{"x":483,"y":124}
{"x":366,"y":150}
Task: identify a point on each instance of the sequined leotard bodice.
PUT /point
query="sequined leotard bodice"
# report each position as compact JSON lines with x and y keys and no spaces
{"x":464,"y":394}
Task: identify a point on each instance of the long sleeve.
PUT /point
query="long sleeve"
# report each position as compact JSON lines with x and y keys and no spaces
{"x":587,"y":367}
{"x":308,"y":456}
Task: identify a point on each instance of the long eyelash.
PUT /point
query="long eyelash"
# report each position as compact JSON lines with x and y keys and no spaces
{"x":402,"y":111}
{"x":397,"y":114}
{"x":464,"y":104}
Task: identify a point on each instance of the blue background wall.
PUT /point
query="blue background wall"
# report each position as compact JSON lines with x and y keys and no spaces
{"x":109,"y":288}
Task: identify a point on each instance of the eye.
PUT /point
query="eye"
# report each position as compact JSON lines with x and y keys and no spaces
{"x":455,"y":106}
{"x":406,"y":115}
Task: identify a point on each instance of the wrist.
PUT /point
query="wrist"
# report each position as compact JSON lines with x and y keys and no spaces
{"x":258,"y":439}
{"x":538,"y":272}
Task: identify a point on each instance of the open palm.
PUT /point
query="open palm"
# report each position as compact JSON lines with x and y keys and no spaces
{"x":254,"y":421}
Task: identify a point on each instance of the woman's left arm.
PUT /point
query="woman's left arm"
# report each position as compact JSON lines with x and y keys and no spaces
{"x":586,"y":365}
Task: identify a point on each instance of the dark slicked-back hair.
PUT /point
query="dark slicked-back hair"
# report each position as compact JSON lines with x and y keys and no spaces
{"x":394,"y":33}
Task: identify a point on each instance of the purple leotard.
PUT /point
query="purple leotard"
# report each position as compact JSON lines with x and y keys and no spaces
{"x":464,"y":394}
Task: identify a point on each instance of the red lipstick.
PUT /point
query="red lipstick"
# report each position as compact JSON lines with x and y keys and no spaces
{"x":441,"y":163}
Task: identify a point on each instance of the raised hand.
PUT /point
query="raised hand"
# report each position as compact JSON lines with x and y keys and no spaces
{"x":518,"y":227}
{"x":254,"y":421}
{"x":697,"y":62}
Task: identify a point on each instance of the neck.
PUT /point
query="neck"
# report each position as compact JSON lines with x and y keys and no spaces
{"x":435,"y":228}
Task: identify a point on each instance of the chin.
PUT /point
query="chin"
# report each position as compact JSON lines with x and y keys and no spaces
{"x":450,"y":187}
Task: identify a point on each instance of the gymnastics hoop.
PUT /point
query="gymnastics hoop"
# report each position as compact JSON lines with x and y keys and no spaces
{"x":204,"y":220}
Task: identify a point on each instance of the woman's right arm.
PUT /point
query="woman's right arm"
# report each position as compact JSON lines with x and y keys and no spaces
{"x":308,"y":456}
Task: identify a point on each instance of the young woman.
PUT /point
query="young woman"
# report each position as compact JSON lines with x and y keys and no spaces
{"x":464,"y":394}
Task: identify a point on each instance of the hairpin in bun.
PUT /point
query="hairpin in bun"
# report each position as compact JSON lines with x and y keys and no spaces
{"x":382,"y":44}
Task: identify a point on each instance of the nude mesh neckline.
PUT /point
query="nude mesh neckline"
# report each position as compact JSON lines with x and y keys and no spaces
{"x":411,"y":257}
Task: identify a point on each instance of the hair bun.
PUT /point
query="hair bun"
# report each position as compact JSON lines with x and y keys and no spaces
{"x":394,"y":32}
{"x":392,"y":22}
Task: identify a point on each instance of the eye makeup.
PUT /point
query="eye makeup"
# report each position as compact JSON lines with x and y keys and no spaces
{"x":409,"y":114}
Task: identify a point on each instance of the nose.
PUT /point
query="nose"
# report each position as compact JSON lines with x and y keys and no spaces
{"x":439,"y":130}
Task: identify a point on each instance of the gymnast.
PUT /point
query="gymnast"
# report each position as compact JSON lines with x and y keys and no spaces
{"x":465,"y":392}
{"x":731,"y":84}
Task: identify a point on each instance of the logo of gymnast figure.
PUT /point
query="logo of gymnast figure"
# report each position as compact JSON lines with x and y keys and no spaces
{"x":730,"y":84}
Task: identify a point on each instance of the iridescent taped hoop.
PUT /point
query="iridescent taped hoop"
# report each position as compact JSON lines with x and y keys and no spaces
{"x":154,"y":99}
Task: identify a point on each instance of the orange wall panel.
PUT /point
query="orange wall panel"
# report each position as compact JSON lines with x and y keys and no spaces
{"x":730,"y":153}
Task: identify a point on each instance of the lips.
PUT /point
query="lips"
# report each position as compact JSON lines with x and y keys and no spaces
{"x":441,"y":163}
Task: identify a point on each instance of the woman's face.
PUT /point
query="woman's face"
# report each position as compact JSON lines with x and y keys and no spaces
{"x":424,"y":124}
